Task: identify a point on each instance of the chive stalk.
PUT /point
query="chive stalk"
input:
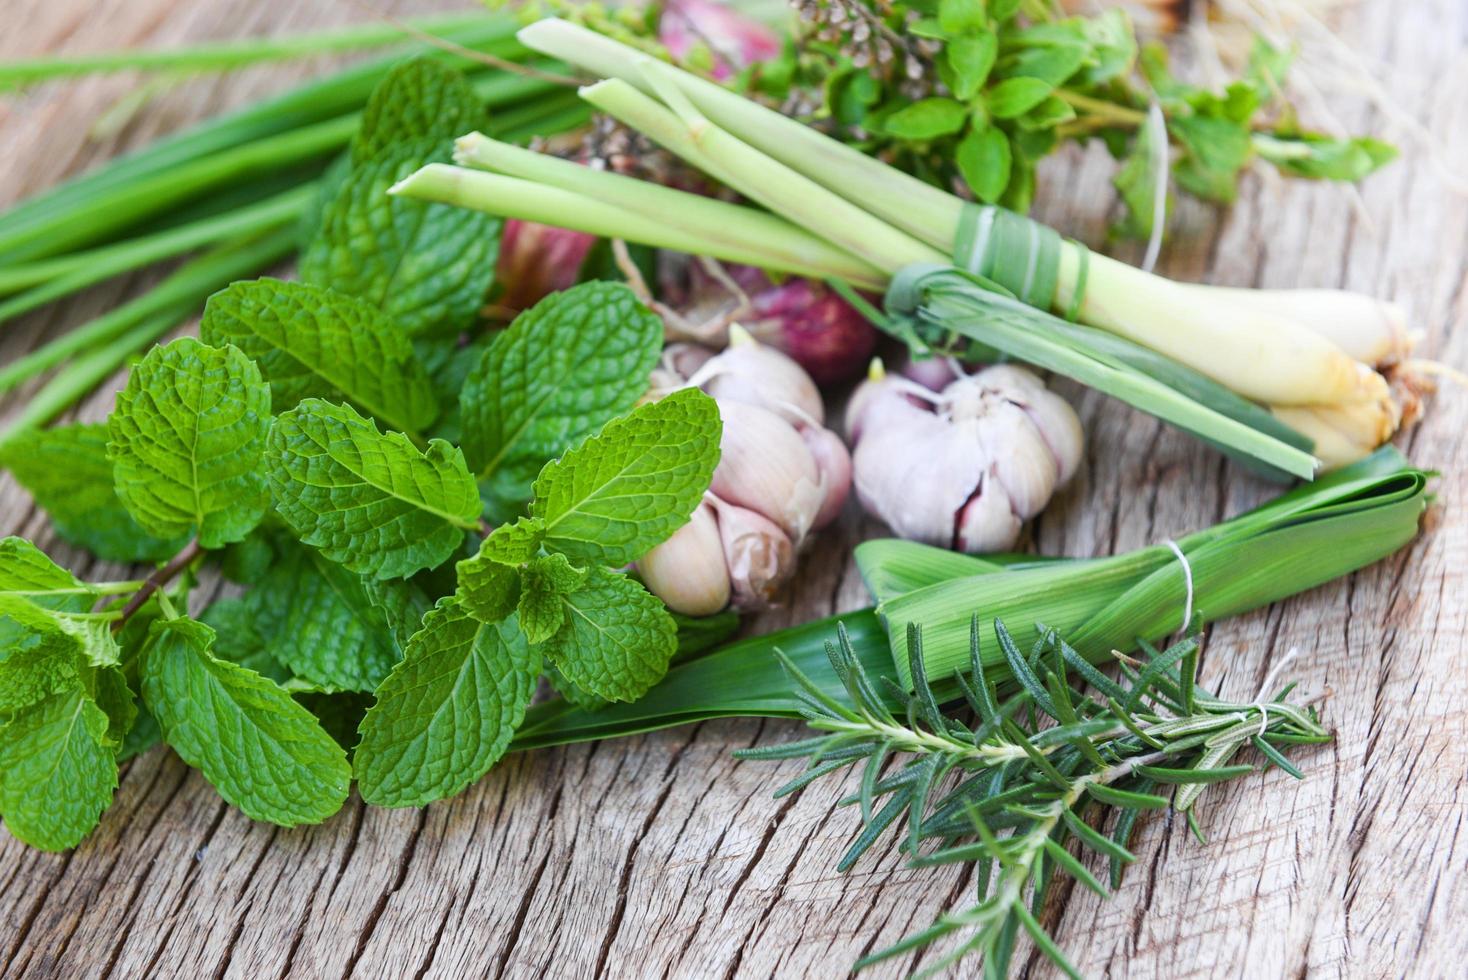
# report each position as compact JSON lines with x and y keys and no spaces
{"x":187,"y":287}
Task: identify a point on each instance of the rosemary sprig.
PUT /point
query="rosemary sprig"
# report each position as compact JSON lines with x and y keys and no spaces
{"x":1047,"y":764}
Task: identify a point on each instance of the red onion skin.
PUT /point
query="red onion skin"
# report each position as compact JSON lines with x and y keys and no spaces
{"x":735,"y":41}
{"x":537,"y":260}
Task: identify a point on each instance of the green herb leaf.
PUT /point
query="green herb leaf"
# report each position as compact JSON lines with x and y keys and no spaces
{"x":419,"y":99}
{"x":368,"y":500}
{"x":316,"y":343}
{"x":970,"y":59}
{"x":488,"y":590}
{"x":186,"y":438}
{"x":543,"y":583}
{"x":264,"y":752}
{"x":564,"y":368}
{"x":983,"y":158}
{"x":447,"y":711}
{"x":1216,"y":150}
{"x":630,"y":486}
{"x":616,"y":638}
{"x":428,"y":266}
{"x":318,"y":620}
{"x":958,"y":16}
{"x":1322,"y":158}
{"x":67,"y":471}
{"x":927,"y":119}
{"x":1016,"y":96}
{"x":58,"y":770}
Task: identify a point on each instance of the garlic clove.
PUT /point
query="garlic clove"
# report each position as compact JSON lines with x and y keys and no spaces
{"x":688,"y":571}
{"x":834,"y":463}
{"x":748,"y":371}
{"x":766,"y":466}
{"x":1061,"y":429}
{"x":916,"y":475}
{"x":880,"y":402}
{"x":759,"y":555}
{"x":987,"y":522}
{"x":1018,"y":455}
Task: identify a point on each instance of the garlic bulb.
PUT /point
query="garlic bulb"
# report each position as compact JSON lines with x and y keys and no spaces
{"x":963,"y":467}
{"x":781,"y":475}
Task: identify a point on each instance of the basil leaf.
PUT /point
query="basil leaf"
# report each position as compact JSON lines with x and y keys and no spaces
{"x":983,"y":158}
{"x":927,"y":119}
{"x":1016,"y":96}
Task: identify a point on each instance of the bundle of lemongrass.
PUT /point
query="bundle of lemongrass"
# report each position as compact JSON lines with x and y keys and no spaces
{"x":1344,"y":521}
{"x":1284,"y":378}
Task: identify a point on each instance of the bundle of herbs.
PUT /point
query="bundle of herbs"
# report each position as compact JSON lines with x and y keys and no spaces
{"x":1286,"y":381}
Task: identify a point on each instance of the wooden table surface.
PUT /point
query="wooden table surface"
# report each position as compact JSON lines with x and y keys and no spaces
{"x":660,"y":855}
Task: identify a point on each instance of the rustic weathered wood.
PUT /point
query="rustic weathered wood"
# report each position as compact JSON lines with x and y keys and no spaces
{"x":659,"y":855}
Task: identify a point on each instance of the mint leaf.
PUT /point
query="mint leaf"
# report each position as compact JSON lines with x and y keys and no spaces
{"x":239,"y":636}
{"x":428,"y":266}
{"x":318,"y":621}
{"x":488,"y":591}
{"x":316,"y":343}
{"x":543,"y":583}
{"x":416,"y":100}
{"x":26,"y":570}
{"x":67,"y":471}
{"x":58,"y":770}
{"x":616,"y":639}
{"x":514,"y":544}
{"x":447,"y":711}
{"x":186,"y":438}
{"x":370,"y":501}
{"x":264,"y":752}
{"x":627,"y":488}
{"x":564,"y":368}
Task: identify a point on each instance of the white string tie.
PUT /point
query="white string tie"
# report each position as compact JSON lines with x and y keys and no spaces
{"x":1188,"y":577}
{"x":1268,"y":685}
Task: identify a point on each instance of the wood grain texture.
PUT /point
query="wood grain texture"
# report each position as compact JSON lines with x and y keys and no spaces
{"x":661,"y":856}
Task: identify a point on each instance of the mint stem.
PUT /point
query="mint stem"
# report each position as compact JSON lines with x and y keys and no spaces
{"x":190,"y":553}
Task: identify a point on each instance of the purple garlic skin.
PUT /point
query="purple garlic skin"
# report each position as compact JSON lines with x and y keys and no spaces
{"x":964,"y":467}
{"x":781,"y":476}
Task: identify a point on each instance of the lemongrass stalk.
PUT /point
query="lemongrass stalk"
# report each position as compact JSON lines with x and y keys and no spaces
{"x":1370,"y":330}
{"x":782,"y":190}
{"x":787,"y":246}
{"x":82,"y":269}
{"x":1261,"y":356}
{"x":738,"y":234}
{"x":309,"y":103}
{"x":1267,"y":358}
{"x":190,"y":285}
{"x":1342,"y":433}
{"x":905,"y":202}
{"x":227,"y":55}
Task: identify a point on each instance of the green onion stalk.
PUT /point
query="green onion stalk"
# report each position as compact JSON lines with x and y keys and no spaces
{"x":1283,"y":379}
{"x":1346,"y":520}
